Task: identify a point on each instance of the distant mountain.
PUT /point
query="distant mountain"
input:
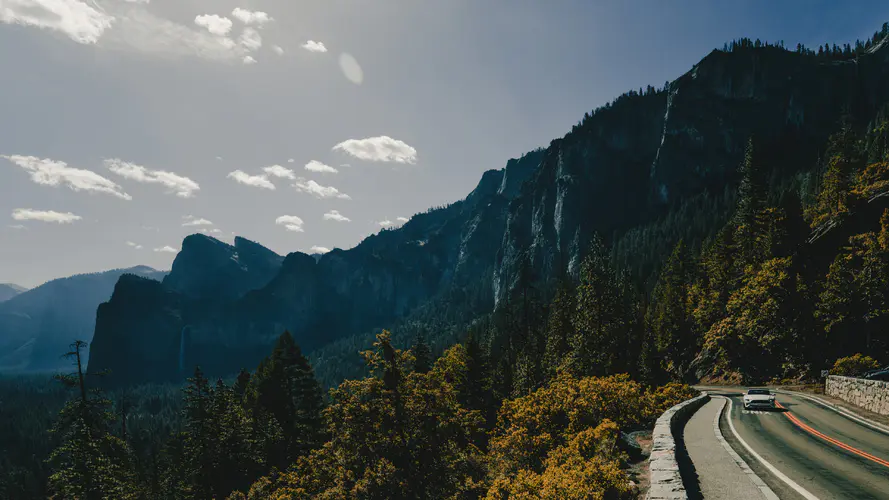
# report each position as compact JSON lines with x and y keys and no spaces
{"x":653,"y":166}
{"x":37,"y":325}
{"x":9,"y":290}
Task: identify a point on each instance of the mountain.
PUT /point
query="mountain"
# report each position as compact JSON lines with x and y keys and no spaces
{"x":629,"y":171}
{"x":10,"y":290}
{"x":37,"y":325}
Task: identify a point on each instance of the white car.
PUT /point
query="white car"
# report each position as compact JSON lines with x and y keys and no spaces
{"x":759,"y":398}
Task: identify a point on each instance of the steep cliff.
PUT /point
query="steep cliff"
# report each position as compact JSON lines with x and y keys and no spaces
{"x":37,"y":325}
{"x":624,"y":166}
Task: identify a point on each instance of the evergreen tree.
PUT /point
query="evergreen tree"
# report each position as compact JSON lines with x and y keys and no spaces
{"x":199,"y":453}
{"x":422,"y":355}
{"x":90,"y":463}
{"x":559,"y":327}
{"x":668,"y":318}
{"x":285,"y":388}
{"x":751,"y":201}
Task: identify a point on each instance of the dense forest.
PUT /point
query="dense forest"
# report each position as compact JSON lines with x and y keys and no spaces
{"x":765,"y":281}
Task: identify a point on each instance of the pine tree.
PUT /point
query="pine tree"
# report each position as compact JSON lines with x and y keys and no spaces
{"x":422,"y":355}
{"x":559,"y":328}
{"x":751,"y":201}
{"x":200,"y":428}
{"x":89,"y":463}
{"x":285,"y":388}
{"x":668,"y":317}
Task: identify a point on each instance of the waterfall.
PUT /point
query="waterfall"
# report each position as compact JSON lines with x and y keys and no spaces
{"x":182,"y":349}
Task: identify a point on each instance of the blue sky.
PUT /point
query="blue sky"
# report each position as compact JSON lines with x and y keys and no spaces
{"x":124,"y":89}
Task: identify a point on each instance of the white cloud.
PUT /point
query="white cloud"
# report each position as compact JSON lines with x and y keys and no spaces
{"x":278,"y":50}
{"x":16,"y":226}
{"x":166,"y":249}
{"x":137,"y":1}
{"x":317,"y":166}
{"x":251,"y":17}
{"x":386,"y":223}
{"x":191,"y":220}
{"x":335,"y":215}
{"x":260,"y":181}
{"x":401,"y":219}
{"x":291,"y":160}
{"x":56,"y":173}
{"x":219,"y":158}
{"x":81,"y":22}
{"x":279,"y":171}
{"x":211,"y":231}
{"x":249,"y":60}
{"x":382,"y":148}
{"x":317,"y":249}
{"x":182,"y":187}
{"x":216,"y":25}
{"x":138,"y":29}
{"x":351,"y":69}
{"x":44,"y":215}
{"x":250,"y":39}
{"x":134,"y":245}
{"x":290,"y":222}
{"x":318,"y":190}
{"x":313,"y":46}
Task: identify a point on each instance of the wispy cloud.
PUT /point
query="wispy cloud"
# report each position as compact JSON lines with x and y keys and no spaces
{"x":313,"y":46}
{"x":81,"y":22}
{"x":257,"y":18}
{"x":135,"y":246}
{"x":290,"y":222}
{"x":166,"y":249}
{"x":279,"y":171}
{"x":211,"y":231}
{"x":181,"y":186}
{"x":250,"y":39}
{"x":216,"y":25}
{"x":16,"y":226}
{"x":335,"y":215}
{"x":57,"y":173}
{"x":260,"y":181}
{"x":44,"y":215}
{"x":318,"y":190}
{"x":191,"y":220}
{"x":291,"y":160}
{"x":317,"y":166}
{"x":278,"y":50}
{"x":401,"y":219}
{"x":317,"y":249}
{"x":249,"y":60}
{"x":382,"y":148}
{"x":386,"y":223}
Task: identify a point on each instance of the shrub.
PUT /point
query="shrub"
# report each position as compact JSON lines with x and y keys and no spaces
{"x":854,"y":366}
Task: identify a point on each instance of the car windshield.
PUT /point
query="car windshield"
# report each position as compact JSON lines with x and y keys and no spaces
{"x":764,"y":392}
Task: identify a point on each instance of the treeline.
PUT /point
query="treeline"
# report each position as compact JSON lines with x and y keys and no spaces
{"x":827,"y":51}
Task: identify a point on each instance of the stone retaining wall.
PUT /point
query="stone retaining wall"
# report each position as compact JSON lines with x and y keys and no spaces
{"x":666,"y":481}
{"x":872,"y":395}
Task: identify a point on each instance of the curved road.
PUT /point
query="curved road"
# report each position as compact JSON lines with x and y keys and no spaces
{"x":826,"y":454}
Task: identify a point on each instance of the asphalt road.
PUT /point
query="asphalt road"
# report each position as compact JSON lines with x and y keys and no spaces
{"x":826,"y":454}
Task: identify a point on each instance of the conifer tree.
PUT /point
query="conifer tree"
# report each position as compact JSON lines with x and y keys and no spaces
{"x":90,"y":463}
{"x":285,"y":387}
{"x":559,"y":328}
{"x":422,"y":355}
{"x":668,"y":317}
{"x":747,"y":219}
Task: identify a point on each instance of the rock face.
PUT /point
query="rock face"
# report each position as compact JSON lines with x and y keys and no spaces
{"x":37,"y":326}
{"x":872,"y":395}
{"x":625,"y":165}
{"x":9,"y":290}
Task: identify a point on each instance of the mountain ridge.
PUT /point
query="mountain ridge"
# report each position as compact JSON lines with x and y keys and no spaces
{"x":625,"y":165}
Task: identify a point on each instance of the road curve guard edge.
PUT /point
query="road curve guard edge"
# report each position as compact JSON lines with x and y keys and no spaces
{"x":666,"y":480}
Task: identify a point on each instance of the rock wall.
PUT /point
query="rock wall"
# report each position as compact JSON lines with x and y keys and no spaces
{"x":872,"y":395}
{"x":666,"y":479}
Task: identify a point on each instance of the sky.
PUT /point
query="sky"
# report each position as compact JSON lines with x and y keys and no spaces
{"x":126,"y":125}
